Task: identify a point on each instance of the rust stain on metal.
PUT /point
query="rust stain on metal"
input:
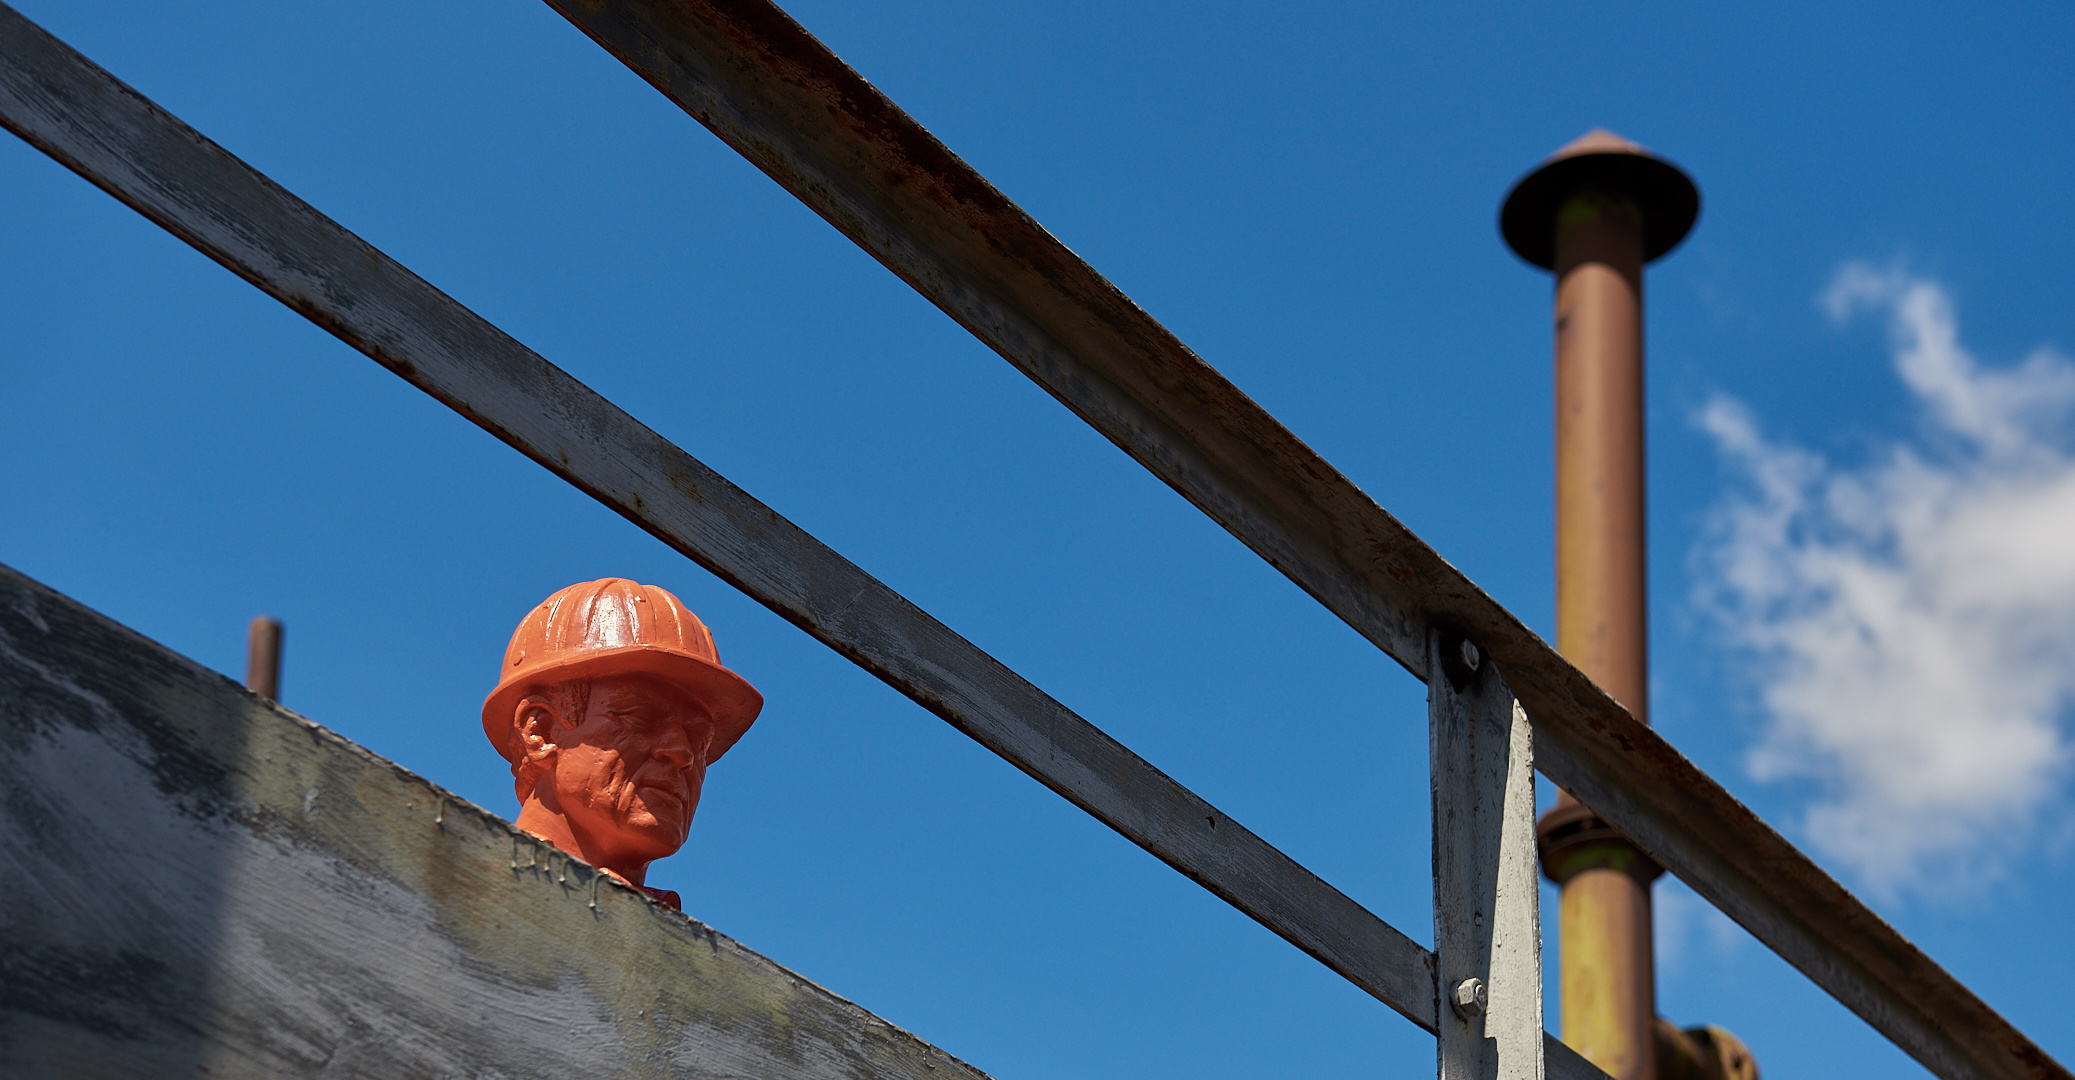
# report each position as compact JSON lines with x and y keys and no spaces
{"x":683,"y":482}
{"x":766,"y":31}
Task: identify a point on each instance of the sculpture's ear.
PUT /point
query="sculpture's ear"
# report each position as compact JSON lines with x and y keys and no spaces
{"x":533,"y":728}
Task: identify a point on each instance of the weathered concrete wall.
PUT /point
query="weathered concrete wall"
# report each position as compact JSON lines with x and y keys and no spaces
{"x":195,"y":882}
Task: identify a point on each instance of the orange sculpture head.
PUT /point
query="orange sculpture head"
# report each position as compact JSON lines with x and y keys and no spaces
{"x":612,"y":703}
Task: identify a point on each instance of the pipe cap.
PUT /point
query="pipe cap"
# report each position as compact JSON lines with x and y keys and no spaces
{"x":1601,"y":160}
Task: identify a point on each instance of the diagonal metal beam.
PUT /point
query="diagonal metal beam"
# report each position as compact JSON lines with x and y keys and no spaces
{"x":767,"y":88}
{"x":64,"y":105}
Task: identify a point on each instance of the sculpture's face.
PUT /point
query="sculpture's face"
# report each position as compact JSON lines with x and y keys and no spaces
{"x":627,"y":773}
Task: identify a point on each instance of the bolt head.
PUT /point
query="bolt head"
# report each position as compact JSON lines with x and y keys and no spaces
{"x":1470,"y":998}
{"x":1471,"y":657}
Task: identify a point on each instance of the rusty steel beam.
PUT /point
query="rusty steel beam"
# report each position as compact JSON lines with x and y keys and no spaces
{"x":79,"y":114}
{"x":780,"y":98}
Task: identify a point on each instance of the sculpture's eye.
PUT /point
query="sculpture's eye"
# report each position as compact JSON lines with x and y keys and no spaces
{"x":635,"y":717}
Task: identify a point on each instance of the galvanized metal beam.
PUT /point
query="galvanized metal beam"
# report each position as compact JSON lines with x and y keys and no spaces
{"x":1487,"y":888}
{"x":79,"y":114}
{"x":767,"y":88}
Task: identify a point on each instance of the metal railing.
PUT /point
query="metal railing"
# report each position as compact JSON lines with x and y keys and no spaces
{"x":770,"y":90}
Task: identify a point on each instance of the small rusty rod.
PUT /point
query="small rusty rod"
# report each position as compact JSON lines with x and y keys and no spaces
{"x":263,"y":657}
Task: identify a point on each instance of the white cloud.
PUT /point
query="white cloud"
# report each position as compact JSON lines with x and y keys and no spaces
{"x":1911,"y":619}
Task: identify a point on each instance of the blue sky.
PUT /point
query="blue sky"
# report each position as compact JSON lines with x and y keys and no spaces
{"x":1307,"y":197}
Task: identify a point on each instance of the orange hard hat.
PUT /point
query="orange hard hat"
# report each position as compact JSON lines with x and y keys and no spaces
{"x":618,"y":627}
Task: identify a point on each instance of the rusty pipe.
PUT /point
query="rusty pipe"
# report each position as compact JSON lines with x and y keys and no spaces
{"x":1605,"y":945}
{"x":1601,"y":620}
{"x":263,"y":657}
{"x":1594,"y":214}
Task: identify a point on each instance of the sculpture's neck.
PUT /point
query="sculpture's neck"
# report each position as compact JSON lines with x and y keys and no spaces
{"x":554,"y":828}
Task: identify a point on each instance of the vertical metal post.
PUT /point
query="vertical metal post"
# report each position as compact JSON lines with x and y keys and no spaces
{"x":1595,"y":213}
{"x":263,"y":657}
{"x":1487,"y":904}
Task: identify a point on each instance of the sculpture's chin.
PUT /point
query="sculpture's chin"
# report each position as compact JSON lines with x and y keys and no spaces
{"x":659,"y":819}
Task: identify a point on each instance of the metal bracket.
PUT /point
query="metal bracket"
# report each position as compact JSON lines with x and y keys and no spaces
{"x":1487,"y":904}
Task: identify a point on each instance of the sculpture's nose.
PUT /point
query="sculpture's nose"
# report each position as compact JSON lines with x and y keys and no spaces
{"x":673,"y":746}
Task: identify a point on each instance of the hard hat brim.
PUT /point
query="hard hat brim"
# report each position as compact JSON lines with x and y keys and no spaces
{"x":733,"y":703}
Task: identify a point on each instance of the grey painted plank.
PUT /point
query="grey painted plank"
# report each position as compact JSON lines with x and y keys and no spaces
{"x":777,"y":96}
{"x":1487,"y":887}
{"x":197,"y":882}
{"x":82,"y":116}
